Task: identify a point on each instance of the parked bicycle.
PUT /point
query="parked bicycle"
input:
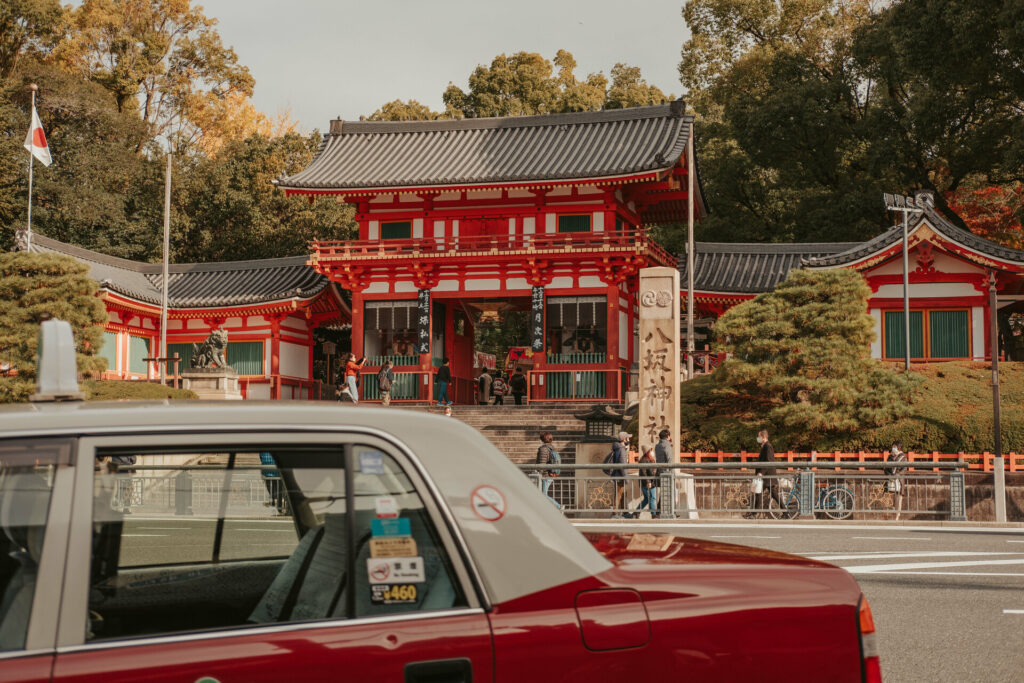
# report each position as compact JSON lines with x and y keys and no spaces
{"x":835,"y":500}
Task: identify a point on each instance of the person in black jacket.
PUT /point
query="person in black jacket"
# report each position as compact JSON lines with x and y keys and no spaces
{"x":896,"y":484}
{"x":518,"y":386}
{"x":443,"y":379}
{"x":759,"y":501}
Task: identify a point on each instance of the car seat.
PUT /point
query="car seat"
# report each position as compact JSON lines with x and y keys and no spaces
{"x":24,"y":501}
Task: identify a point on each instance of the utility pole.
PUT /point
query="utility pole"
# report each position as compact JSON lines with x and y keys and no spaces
{"x":690,"y":259}
{"x":906,"y":206}
{"x":165,"y":271}
{"x":999,"y":483}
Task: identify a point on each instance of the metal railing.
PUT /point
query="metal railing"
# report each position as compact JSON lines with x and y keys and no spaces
{"x":781,"y":490}
{"x":196,"y":490}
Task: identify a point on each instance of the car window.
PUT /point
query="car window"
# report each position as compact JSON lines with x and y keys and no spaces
{"x":192,"y":541}
{"x":26,"y":482}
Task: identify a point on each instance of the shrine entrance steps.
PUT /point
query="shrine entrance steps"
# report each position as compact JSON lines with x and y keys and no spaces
{"x":515,"y":430}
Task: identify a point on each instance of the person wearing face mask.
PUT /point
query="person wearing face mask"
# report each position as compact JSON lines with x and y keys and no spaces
{"x":896,"y":484}
{"x":759,"y":501}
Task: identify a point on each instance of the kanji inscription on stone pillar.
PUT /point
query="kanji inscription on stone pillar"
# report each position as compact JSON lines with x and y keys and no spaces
{"x":659,"y":355}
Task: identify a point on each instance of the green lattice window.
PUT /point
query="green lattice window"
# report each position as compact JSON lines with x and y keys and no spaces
{"x":574,"y":223}
{"x":399,"y":230}
{"x":138,"y":348}
{"x":109,"y":350}
{"x":949,"y":334}
{"x":184,"y":352}
{"x":246,"y":357}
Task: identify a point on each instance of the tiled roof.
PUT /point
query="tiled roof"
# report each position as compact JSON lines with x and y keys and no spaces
{"x":381,"y":154}
{"x":749,"y":268}
{"x":198,"y":285}
{"x":894,"y":235}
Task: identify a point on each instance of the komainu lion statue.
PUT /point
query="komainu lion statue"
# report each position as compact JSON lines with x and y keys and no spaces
{"x":210,"y":353}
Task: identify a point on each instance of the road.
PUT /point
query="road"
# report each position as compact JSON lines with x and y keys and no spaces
{"x":948,"y":602}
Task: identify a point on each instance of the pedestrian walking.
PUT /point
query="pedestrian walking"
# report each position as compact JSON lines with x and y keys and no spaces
{"x":484,"y":382}
{"x":518,"y":385}
{"x":547,"y":455}
{"x":758,"y":500}
{"x":620,"y":458}
{"x":443,"y":379}
{"x":664,"y":454}
{"x":648,"y":484}
{"x":499,"y":389}
{"x":352,"y":368}
{"x":385,"y":380}
{"x":896,"y":484}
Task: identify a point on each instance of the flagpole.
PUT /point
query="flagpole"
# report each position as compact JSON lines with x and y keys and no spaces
{"x":166,"y":268}
{"x":31,"y":157}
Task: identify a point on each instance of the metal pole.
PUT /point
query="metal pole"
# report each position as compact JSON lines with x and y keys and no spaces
{"x":689,"y":256}
{"x":31,"y":157}
{"x":165,"y":271}
{"x":997,"y":462}
{"x":906,"y":295}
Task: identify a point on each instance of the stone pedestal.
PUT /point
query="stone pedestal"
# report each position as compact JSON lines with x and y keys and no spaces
{"x":219,"y":384}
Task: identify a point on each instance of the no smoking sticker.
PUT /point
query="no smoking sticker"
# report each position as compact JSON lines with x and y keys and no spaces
{"x":488,"y":503}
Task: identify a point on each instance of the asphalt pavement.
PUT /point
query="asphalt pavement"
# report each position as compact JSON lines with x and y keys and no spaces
{"x":948,"y":601}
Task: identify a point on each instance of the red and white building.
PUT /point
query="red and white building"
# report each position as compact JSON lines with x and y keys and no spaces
{"x":269,"y":308}
{"x":544,"y":214}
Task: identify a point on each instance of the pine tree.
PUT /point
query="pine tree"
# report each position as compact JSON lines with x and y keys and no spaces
{"x":800,"y":359}
{"x":34,"y":287}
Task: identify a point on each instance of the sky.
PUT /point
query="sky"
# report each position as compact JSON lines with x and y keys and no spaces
{"x":324,"y":59}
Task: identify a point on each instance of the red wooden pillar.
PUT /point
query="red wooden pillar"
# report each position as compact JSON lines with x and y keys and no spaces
{"x":357,"y":323}
{"x":275,"y":356}
{"x":612,"y":342}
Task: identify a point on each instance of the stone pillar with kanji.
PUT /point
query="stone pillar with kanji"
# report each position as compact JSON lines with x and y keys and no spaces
{"x":659,"y":354}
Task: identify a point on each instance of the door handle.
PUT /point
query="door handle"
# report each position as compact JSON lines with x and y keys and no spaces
{"x":440,"y":671}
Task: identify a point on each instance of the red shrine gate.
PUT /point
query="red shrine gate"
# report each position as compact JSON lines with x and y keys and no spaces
{"x":543,"y":214}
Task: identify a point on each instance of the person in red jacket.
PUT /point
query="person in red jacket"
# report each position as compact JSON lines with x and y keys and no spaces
{"x":352,"y":368}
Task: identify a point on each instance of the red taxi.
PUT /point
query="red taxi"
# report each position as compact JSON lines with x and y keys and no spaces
{"x":270,"y":542}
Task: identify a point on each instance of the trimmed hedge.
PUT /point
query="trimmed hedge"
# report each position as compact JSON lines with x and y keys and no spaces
{"x":951,"y":412}
{"x":123,"y":390}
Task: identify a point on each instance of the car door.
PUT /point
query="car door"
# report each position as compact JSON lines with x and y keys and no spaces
{"x":35,"y":489}
{"x":267,"y":557}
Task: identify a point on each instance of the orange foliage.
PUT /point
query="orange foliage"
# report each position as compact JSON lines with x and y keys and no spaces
{"x":993,"y":212}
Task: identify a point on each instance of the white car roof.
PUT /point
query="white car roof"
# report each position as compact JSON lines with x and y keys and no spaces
{"x":530,"y":548}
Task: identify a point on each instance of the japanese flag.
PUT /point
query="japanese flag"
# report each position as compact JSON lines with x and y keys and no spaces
{"x":35,"y":141}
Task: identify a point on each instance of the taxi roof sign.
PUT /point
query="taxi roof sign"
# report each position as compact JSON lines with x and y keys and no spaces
{"x":56,"y":365}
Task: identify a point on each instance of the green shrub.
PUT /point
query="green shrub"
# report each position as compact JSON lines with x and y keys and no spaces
{"x":123,"y":390}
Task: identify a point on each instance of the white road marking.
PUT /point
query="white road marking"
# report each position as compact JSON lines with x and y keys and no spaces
{"x":164,"y":528}
{"x":1013,"y":611}
{"x":946,"y":574}
{"x":273,"y":531}
{"x":890,"y":556}
{"x":144,"y":535}
{"x":744,"y":536}
{"x":890,"y":538}
{"x":872,"y":568}
{"x":1015,"y":541}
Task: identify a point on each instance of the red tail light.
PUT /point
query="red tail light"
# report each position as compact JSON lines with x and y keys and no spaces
{"x":870,"y":667}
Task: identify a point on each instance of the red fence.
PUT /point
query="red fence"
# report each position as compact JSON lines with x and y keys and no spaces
{"x":981,"y":462}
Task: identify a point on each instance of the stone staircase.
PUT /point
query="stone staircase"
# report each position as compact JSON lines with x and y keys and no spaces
{"x":515,"y":430}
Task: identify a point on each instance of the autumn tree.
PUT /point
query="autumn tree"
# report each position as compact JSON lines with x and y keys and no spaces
{"x":799,"y":361}
{"x":25,"y":25}
{"x":411,"y":110}
{"x":162,"y":59}
{"x":34,"y":287}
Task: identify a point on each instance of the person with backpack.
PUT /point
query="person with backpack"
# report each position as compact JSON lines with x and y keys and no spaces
{"x":443,"y":379}
{"x":547,"y":455}
{"x":618,"y":458}
{"x":518,"y":385}
{"x":385,"y":380}
{"x":648,"y":484}
{"x":498,"y":389}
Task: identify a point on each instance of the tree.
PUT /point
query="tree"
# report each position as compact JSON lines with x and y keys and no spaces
{"x":527,"y":84}
{"x":92,"y":194}
{"x":25,"y":24}
{"x":161,"y":59}
{"x":992,"y":211}
{"x":397,"y":110}
{"x":800,"y":361}
{"x":34,"y":287}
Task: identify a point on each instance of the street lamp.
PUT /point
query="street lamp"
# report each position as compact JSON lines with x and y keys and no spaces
{"x":906,"y":206}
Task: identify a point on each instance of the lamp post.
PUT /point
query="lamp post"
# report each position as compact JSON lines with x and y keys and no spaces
{"x":906,"y":206}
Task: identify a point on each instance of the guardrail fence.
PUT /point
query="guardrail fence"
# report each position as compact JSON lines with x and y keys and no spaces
{"x":798,"y":490}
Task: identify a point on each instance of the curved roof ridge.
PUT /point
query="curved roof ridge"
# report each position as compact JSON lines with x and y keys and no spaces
{"x":344,"y":127}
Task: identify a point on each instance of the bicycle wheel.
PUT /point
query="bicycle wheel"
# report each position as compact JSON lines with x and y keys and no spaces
{"x":787,"y":508}
{"x":838,"y":503}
